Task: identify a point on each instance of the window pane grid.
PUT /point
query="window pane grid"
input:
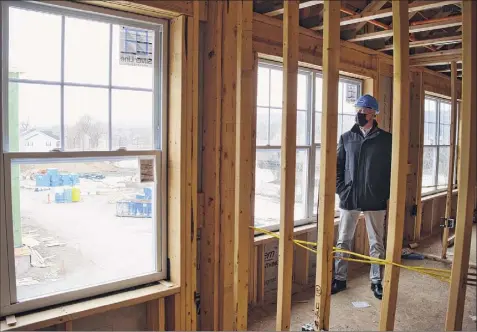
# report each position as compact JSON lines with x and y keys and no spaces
{"x":437,"y":118}
{"x":68,"y":58}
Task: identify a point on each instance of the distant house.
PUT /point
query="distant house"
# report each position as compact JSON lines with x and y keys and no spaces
{"x":35,"y":140}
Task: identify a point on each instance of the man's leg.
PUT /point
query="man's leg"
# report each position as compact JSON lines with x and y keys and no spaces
{"x":375,"y":228}
{"x":347,"y":227}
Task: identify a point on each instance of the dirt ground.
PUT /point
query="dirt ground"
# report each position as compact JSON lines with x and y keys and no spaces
{"x":422,"y":301}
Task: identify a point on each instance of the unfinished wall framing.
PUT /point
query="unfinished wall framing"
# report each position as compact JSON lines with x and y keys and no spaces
{"x":223,"y":235}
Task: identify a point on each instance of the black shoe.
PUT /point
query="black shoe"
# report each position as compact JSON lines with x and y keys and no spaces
{"x":377,"y":290}
{"x":338,"y":286}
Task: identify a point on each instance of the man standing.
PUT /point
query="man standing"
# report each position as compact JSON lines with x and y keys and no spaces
{"x":362,"y":183}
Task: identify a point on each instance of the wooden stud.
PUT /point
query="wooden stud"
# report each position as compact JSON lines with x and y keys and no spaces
{"x":260,"y":274}
{"x":301,"y":262}
{"x":162,"y":314}
{"x":420,"y":154}
{"x":288,"y":163}
{"x":227,"y":165}
{"x":211,"y":142}
{"x":450,"y":174}
{"x":246,"y":101}
{"x":152,"y":315}
{"x":192,"y":167}
{"x":413,"y":156}
{"x":156,"y":315}
{"x":399,"y":162}
{"x":177,"y":178}
{"x":467,"y":173}
{"x":329,"y":123}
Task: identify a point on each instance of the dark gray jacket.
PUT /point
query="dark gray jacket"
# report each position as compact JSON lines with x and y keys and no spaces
{"x":364,"y":169}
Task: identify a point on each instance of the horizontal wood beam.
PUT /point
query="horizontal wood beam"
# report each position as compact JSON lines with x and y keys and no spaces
{"x":445,"y":23}
{"x":426,"y":42}
{"x":377,"y":14}
{"x":302,"y":5}
{"x":437,"y":54}
{"x":448,"y":70}
{"x":444,"y":60}
{"x":161,"y":9}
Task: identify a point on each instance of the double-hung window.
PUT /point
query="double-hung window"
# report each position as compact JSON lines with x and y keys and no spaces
{"x":437,"y":123}
{"x":83,"y":160}
{"x":308,"y":140}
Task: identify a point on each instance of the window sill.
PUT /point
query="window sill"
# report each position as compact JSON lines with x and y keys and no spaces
{"x":265,"y":238}
{"x":436,"y":194}
{"x":69,"y":312}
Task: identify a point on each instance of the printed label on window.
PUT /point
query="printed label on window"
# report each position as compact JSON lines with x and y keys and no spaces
{"x":147,"y":170}
{"x":351,"y":93}
{"x":136,"y":47}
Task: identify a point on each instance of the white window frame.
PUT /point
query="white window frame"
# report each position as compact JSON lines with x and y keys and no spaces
{"x":8,"y":299}
{"x":437,"y":146}
{"x":312,"y":146}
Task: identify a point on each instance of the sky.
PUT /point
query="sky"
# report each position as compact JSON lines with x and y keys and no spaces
{"x":35,"y":52}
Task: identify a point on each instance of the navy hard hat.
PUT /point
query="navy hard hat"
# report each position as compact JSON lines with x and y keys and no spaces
{"x":367,"y":101}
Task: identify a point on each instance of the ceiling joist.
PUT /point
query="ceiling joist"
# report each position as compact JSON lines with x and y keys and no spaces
{"x":366,"y":16}
{"x":302,"y":5}
{"x":441,"y":24}
{"x":436,"y":58}
{"x":427,"y":42}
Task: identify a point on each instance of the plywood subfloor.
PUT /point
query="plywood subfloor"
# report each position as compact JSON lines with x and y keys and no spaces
{"x":422,"y":304}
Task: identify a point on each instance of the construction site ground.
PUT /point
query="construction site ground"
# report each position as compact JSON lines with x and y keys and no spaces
{"x":421,"y":304}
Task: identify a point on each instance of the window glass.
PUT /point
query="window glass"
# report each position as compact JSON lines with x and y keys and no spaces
{"x":302,"y":93}
{"x":318,"y":127}
{"x":275,"y":126}
{"x":34,"y":45}
{"x":262,"y":126}
{"x":429,"y":167}
{"x":263,"y":86}
{"x":443,"y":166}
{"x":82,"y":65}
{"x":132,"y":112}
{"x":301,"y":184}
{"x":26,"y":124}
{"x":267,"y":188}
{"x":276,"y":88}
{"x":91,"y":231}
{"x":301,"y":128}
{"x":86,"y":119}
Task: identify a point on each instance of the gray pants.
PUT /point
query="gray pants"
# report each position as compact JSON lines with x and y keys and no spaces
{"x":375,"y":229}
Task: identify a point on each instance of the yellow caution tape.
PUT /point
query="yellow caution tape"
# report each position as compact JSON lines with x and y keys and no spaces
{"x":439,"y":274}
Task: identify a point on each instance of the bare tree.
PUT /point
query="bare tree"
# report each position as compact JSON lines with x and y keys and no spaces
{"x":25,"y":125}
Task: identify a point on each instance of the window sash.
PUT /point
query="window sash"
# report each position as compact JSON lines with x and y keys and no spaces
{"x":101,"y":15}
{"x":439,"y":104}
{"x":8,"y":304}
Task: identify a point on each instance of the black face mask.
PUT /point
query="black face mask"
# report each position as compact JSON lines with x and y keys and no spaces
{"x":361,"y":119}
